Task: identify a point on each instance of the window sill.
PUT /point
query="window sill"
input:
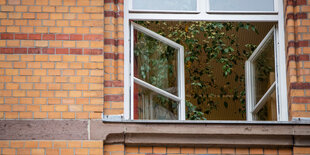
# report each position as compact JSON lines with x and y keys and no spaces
{"x":202,"y":133}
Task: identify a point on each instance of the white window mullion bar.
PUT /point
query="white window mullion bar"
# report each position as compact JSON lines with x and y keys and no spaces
{"x":132,"y":72}
{"x":157,"y":90}
{"x":262,"y":101}
{"x":181,"y":84}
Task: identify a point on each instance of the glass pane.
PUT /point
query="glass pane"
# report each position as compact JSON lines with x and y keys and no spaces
{"x":169,"y":5}
{"x":155,"y":63}
{"x":149,"y":105}
{"x":241,"y":5}
{"x":269,"y":110}
{"x":264,"y":69}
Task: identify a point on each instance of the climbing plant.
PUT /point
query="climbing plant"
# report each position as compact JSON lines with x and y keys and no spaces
{"x":211,"y":49}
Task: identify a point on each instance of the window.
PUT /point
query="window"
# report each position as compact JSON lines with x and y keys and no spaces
{"x":265,"y":93}
{"x":261,"y":80}
{"x":157,"y":76}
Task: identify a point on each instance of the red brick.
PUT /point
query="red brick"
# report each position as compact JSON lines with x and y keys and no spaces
{"x":6,"y":50}
{"x":62,"y":51}
{"x":76,"y":37}
{"x":20,"y":50}
{"x":76,"y":51}
{"x":62,"y":37}
{"x":48,"y":51}
{"x":93,"y":37}
{"x":93,"y":51}
{"x":35,"y":36}
{"x":21,"y":36}
{"x":34,"y":50}
{"x":48,"y":36}
{"x":7,"y":36}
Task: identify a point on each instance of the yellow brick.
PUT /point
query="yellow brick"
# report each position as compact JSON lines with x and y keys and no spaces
{"x":96,"y":44}
{"x":99,"y":144}
{"x":55,"y":43}
{"x":21,"y":22}
{"x":7,"y":8}
{"x":162,"y":150}
{"x":83,"y":2}
{"x":2,"y":43}
{"x":27,"y":58}
{"x":68,"y":115}
{"x":27,"y":29}
{"x":41,"y":58}
{"x":3,"y":15}
{"x":74,"y":144}
{"x":42,"y":43}
{"x":15,"y":15}
{"x":42,"y":2}
{"x":69,"y":16}
{"x":48,"y":22}
{"x":54,"y":115}
{"x":12,"y":86}
{"x":28,"y":2}
{"x":68,"y":44}
{"x":42,"y":29}
{"x":55,"y":2}
{"x":29,"y":15}
{"x":35,"y":9}
{"x":82,"y":58}
{"x":298,"y":107}
{"x":70,"y":2}
{"x":69,"y":30}
{"x":35,"y":23}
{"x":49,"y":8}
{"x":55,"y":30}
{"x":62,"y":23}
{"x":56,"y":16}
{"x":62,"y":9}
{"x":83,"y":30}
{"x":27,"y":43}
{"x":2,"y":2}
{"x":82,"y":44}
{"x":11,"y":115}
{"x":76,"y":9}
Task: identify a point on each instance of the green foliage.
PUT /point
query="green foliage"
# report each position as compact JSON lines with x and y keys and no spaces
{"x":210,"y":47}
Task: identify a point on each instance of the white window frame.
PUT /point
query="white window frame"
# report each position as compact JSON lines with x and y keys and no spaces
{"x":275,"y":3}
{"x":254,"y":106}
{"x":203,"y":15}
{"x":180,"y":71}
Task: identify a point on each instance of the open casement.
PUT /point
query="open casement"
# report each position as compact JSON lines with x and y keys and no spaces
{"x":261,"y":81}
{"x":157,"y":76}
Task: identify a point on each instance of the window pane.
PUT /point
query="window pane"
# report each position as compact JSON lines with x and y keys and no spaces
{"x":155,"y":63}
{"x":264,"y":69}
{"x":149,"y":105}
{"x":241,"y":5}
{"x":172,"y":5}
{"x":269,"y":110}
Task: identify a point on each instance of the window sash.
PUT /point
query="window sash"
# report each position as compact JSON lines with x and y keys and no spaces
{"x":251,"y":108}
{"x":181,"y":74}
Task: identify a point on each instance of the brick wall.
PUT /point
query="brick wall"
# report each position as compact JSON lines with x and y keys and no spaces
{"x":297,"y":39}
{"x":142,"y":150}
{"x":52,"y":59}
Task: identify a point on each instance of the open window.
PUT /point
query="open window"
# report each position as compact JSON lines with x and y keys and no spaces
{"x":155,"y":78}
{"x":157,"y":73}
{"x":261,"y":80}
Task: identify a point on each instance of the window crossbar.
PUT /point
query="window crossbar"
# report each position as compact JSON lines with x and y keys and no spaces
{"x":157,"y":90}
{"x":262,"y":101}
